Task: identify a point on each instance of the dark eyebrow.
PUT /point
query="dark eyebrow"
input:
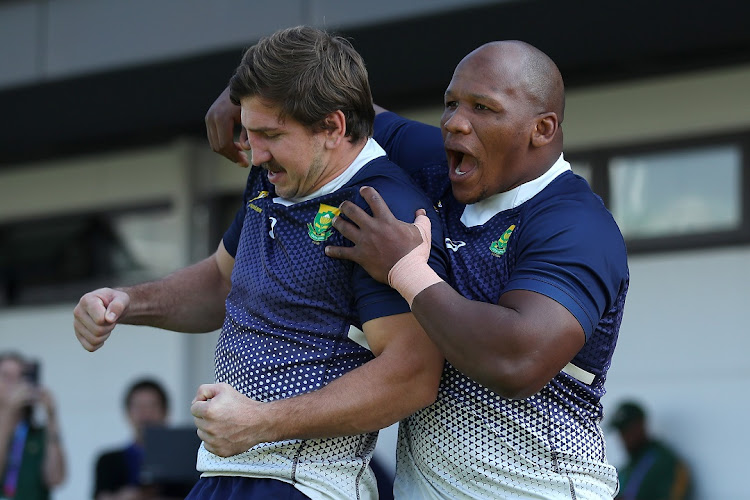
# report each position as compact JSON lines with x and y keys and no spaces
{"x":476,"y":97}
{"x":263,"y":130}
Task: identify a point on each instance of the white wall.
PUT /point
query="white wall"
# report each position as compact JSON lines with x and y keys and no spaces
{"x":90,"y":183}
{"x":658,"y":108}
{"x":684,"y":335}
{"x":683,"y":352}
{"x":89,"y":387}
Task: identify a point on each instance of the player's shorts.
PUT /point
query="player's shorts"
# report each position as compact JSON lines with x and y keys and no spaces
{"x":236,"y":488}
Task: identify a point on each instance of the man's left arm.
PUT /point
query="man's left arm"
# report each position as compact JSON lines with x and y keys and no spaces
{"x":403,"y":378}
{"x":54,"y":467}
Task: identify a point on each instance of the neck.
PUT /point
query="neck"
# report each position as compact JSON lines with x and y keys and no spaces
{"x":544,"y":162}
{"x":339,"y":160}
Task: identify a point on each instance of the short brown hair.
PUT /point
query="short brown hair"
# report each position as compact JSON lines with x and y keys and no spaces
{"x":309,"y":74}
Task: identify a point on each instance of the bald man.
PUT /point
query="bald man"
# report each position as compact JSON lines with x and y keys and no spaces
{"x":529,"y":318}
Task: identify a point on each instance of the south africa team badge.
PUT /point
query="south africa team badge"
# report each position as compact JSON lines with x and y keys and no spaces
{"x":321,"y":228}
{"x":498,"y":247}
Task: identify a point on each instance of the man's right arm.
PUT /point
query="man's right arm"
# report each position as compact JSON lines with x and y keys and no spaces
{"x":189,"y":300}
{"x":410,"y":144}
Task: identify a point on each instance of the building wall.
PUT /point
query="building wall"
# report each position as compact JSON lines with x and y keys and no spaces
{"x":47,"y":39}
{"x":89,"y":388}
{"x":681,"y":353}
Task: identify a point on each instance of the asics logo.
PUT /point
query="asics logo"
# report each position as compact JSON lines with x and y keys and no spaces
{"x":454,"y":245}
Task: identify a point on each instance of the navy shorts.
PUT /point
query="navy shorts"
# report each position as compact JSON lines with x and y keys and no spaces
{"x":235,"y":488}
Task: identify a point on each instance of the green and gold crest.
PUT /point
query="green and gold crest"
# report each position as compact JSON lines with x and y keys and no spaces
{"x":321,"y":229}
{"x":498,"y":247}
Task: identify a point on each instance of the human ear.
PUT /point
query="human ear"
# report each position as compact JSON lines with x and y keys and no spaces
{"x":545,"y":129}
{"x":334,"y":125}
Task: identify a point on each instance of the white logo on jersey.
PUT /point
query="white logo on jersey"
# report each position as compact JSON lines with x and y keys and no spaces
{"x":273,"y":224}
{"x":454,"y":245}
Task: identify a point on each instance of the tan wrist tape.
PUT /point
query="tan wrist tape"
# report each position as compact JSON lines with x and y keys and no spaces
{"x":410,"y":275}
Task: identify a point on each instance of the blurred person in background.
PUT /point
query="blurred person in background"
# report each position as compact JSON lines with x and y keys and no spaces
{"x":118,"y":472}
{"x":653,"y":471}
{"x":32,"y":459}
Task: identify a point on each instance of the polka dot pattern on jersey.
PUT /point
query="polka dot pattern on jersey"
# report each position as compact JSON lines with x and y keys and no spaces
{"x":473,"y":443}
{"x":286,"y":334}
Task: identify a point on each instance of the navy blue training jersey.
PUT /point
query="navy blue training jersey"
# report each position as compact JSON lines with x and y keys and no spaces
{"x":552,"y":236}
{"x":291,"y":314}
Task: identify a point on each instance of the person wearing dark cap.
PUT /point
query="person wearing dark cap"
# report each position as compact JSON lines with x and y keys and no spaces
{"x":654,"y":471}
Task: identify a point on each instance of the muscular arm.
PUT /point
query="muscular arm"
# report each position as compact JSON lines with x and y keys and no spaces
{"x":402,"y":379}
{"x":189,"y":300}
{"x":513,"y":347}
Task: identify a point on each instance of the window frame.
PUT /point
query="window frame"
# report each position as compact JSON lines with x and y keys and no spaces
{"x":65,"y":290}
{"x":599,"y":160}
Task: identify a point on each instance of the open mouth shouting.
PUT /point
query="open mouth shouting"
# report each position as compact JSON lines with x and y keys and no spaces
{"x":460,"y":164}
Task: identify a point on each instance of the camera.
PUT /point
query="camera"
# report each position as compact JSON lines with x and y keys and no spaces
{"x":31,"y":372}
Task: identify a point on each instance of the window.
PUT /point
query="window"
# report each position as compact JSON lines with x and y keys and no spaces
{"x":222,"y":209}
{"x":687,"y":194}
{"x":59,"y":259}
{"x":678,"y":192}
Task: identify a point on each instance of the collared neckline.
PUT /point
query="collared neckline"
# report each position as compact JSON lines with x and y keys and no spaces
{"x":479,"y":213}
